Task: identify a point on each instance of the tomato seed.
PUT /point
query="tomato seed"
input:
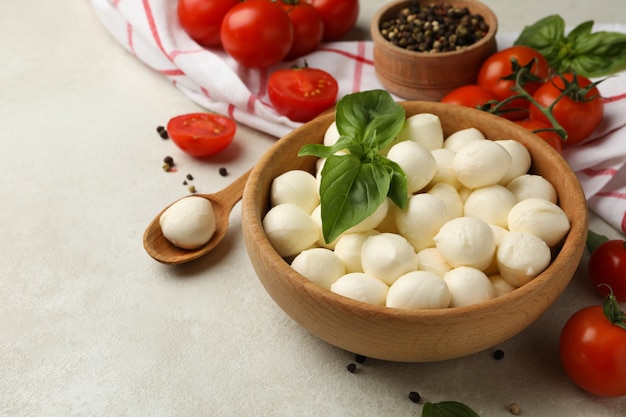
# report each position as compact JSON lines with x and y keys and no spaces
{"x":415,"y":397}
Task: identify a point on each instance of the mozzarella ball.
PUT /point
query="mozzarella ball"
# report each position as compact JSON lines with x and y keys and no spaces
{"x":430,"y":259}
{"x":421,"y":219}
{"x":491,"y":204}
{"x":388,"y":224}
{"x":520,"y":159}
{"x":481,"y":163}
{"x":468,"y":286}
{"x":529,"y":186}
{"x":541,"y":218}
{"x":295,"y":187}
{"x":348,"y":249}
{"x":423,"y":128}
{"x":417,"y":163}
{"x":500,"y":286}
{"x":418,"y":289}
{"x":373,"y":220}
{"x":317,"y":218}
{"x":521,"y":257}
{"x":361,"y":287}
{"x":450,"y":196}
{"x":319,"y":265}
{"x":444,"y":158}
{"x":331,"y":135}
{"x":466,"y":241}
{"x":459,"y":139}
{"x":188,"y":223}
{"x":386,"y":256}
{"x":290,"y":229}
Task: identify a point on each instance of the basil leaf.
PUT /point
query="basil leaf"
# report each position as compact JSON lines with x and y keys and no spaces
{"x":447,"y":409}
{"x":398,"y":187}
{"x":372,"y":118}
{"x":350,"y":191}
{"x":547,"y":36}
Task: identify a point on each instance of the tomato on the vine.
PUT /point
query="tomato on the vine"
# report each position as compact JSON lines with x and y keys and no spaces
{"x":339,"y":16}
{"x":579,"y":111}
{"x":498,"y":73}
{"x":257,"y":33}
{"x":470,"y":95}
{"x":302,"y":93}
{"x":201,"y":134}
{"x":593,"y":349}
{"x":308,"y":27}
{"x":202,"y":19}
{"x":541,"y":129}
{"x":607,"y":268}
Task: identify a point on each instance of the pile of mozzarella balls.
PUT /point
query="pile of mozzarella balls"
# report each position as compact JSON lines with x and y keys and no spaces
{"x":477,"y":224}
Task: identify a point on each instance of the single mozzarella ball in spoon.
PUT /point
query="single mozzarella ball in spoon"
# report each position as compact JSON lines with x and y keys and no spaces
{"x":468,"y":286}
{"x":290,"y":229}
{"x":319,"y":265}
{"x":416,"y":161}
{"x":491,"y":203}
{"x":423,"y":128}
{"x":532,"y":186}
{"x":418,"y":289}
{"x":541,"y":218}
{"x":361,"y":287}
{"x":521,"y":257}
{"x":348,"y":249}
{"x":444,"y":158}
{"x":481,"y":163}
{"x":430,"y":259}
{"x":386,"y":256}
{"x":459,"y":139}
{"x":421,"y":219}
{"x":189,"y":223}
{"x":296,"y":187}
{"x":467,"y":241}
{"x":520,"y":159}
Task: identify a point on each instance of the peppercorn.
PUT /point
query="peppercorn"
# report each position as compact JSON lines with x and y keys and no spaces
{"x":189,"y":177}
{"x":162,"y":132}
{"x":498,"y":354}
{"x":223,"y":172}
{"x":351,"y":368}
{"x":169,"y":161}
{"x":360,"y":358}
{"x":434,"y":28}
{"x":192,"y":189}
{"x":514,"y":409}
{"x":415,"y":397}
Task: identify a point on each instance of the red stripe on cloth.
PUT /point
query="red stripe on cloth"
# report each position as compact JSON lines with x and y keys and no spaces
{"x":231,"y":111}
{"x":129,"y":39}
{"x":250,"y":104}
{"x":205,"y":92}
{"x":612,"y":194}
{"x":153,"y":29}
{"x":349,"y":55}
{"x":116,"y":2}
{"x":590,"y":172}
{"x":613,"y":99}
{"x":171,"y":72}
{"x":358,"y":68}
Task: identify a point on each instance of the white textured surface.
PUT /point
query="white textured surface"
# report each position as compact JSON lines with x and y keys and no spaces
{"x":91,"y":326}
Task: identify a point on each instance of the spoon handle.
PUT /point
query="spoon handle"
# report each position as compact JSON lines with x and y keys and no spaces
{"x":230,"y":195}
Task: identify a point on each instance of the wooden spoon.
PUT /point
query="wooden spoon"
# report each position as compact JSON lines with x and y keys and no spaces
{"x":162,"y":250}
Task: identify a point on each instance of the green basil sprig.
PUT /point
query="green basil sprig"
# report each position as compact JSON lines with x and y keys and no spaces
{"x":582,"y":51}
{"x":356,"y":183}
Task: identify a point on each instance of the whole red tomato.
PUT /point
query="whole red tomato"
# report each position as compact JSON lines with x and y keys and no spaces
{"x":593,"y":349}
{"x":539,"y":129}
{"x":257,"y":33}
{"x":470,"y":95}
{"x":302,"y":93}
{"x":339,"y":16}
{"x":579,"y":112}
{"x":498,"y":73}
{"x":308,"y":27}
{"x":202,"y":19}
{"x":201,"y":134}
{"x":607,"y":268}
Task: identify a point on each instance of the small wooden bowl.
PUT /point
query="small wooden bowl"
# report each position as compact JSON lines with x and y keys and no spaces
{"x":411,"y":335}
{"x":429,"y":76}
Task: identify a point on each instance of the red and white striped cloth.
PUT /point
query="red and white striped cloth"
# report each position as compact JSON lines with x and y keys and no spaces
{"x":149,"y":30}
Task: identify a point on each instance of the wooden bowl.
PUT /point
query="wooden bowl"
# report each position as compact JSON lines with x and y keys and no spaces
{"x":429,"y":76}
{"x":411,"y":335}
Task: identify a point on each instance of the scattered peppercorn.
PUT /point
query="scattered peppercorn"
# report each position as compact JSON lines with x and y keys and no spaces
{"x":434,"y":28}
{"x":169,"y":160}
{"x":162,"y":132}
{"x":166,"y":167}
{"x":185,"y":182}
{"x":514,"y":409}
{"x":360,"y":358}
{"x":223,"y":172}
{"x":189,"y":177}
{"x":192,"y":189}
{"x":415,"y":397}
{"x":498,"y":354}
{"x":351,"y":368}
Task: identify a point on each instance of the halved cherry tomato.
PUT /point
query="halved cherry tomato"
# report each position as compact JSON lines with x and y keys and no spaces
{"x":201,"y":134}
{"x":339,"y":16}
{"x":257,"y":33}
{"x":201,"y":19}
{"x":308,"y":27}
{"x":470,"y":95}
{"x":579,"y":112}
{"x":549,"y":136}
{"x":302,"y":93}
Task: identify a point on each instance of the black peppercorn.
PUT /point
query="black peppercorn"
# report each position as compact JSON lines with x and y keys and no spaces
{"x":223,"y":172}
{"x":351,"y":368}
{"x":415,"y":397}
{"x":498,"y":354}
{"x":169,"y":161}
{"x":360,"y":358}
{"x":189,"y":177}
{"x":162,"y":132}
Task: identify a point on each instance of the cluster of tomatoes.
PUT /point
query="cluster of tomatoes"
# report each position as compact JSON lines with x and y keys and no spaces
{"x":262,"y":33}
{"x":517,"y":83}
